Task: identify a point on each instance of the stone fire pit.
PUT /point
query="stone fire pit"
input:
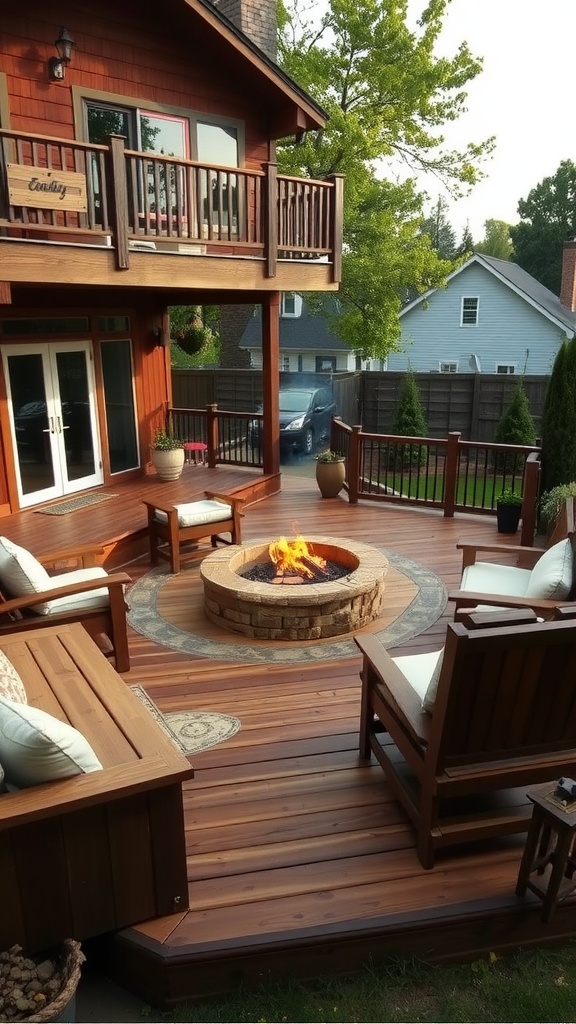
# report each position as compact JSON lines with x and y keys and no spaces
{"x":311,"y":611}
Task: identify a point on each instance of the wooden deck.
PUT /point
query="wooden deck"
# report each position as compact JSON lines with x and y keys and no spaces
{"x":299,"y":860}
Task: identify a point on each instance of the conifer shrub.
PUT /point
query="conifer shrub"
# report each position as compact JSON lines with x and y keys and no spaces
{"x":515,"y":427}
{"x":409,"y":421}
{"x":559,"y":421}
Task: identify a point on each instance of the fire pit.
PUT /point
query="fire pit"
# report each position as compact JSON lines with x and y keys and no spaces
{"x":309,"y":611}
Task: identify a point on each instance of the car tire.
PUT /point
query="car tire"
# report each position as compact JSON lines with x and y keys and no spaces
{"x":307,"y":442}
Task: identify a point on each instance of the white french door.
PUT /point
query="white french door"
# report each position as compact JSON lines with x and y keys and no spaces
{"x":51,"y":399}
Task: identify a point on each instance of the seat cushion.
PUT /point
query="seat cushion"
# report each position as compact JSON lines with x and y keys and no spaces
{"x":197,"y":513}
{"x":551,"y":578}
{"x":490,"y":578}
{"x":88,"y":600}
{"x":35,"y":747}
{"x":20,"y":572}
{"x":11,"y":685}
{"x":422,"y":671}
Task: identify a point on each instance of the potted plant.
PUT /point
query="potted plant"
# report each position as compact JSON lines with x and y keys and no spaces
{"x":167,"y":455}
{"x":508,"y":510}
{"x":330,"y":473}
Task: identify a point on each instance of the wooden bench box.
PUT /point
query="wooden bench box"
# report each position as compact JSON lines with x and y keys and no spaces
{"x":96,"y":852}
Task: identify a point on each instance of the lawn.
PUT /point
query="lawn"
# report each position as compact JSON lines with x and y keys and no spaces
{"x":534,"y":985}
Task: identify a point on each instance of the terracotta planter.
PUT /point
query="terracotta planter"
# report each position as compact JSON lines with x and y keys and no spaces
{"x":330,"y":477}
{"x":168,"y":463}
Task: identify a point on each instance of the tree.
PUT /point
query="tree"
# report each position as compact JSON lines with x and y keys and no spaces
{"x":440,"y":230}
{"x":387,"y":96}
{"x":559,"y":421}
{"x":466,"y":247}
{"x":496,"y":241}
{"x":515,"y":427}
{"x":409,"y":421}
{"x":548,"y":218}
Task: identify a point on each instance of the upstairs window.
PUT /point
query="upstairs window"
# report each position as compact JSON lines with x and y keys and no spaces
{"x":505,"y":368}
{"x":291,"y":304}
{"x":469,"y":313}
{"x":448,"y":367}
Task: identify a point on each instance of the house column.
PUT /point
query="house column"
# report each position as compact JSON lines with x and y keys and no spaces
{"x":271,"y":381}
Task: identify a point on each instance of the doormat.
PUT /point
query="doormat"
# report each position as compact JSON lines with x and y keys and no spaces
{"x":191,"y":731}
{"x":72,"y":504}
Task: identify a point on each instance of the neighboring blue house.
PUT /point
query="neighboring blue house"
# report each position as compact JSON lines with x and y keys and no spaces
{"x":492,"y":317}
{"x":306,"y":344}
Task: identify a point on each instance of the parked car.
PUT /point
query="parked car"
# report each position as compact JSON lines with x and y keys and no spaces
{"x":305,"y":417}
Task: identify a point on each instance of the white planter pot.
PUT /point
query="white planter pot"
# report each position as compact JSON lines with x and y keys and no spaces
{"x":168,"y":464}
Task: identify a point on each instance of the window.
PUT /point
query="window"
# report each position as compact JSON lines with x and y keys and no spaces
{"x":291,"y":304}
{"x":325,"y":364}
{"x":286,"y":363}
{"x":469,"y":314}
{"x":448,"y":367}
{"x":505,"y":368}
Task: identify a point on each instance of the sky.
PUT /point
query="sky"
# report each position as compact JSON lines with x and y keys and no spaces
{"x":524,"y":96}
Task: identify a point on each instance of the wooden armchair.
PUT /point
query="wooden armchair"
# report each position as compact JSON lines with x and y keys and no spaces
{"x":503,"y":718}
{"x":172,"y":527}
{"x":30,"y":597}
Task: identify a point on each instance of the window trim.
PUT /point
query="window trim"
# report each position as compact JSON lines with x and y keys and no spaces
{"x":469,"y":298}
{"x":287,"y":315}
{"x":448,"y":363}
{"x":509,"y":371}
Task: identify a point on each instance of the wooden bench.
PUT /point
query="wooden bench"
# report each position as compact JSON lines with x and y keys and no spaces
{"x":96,"y":852}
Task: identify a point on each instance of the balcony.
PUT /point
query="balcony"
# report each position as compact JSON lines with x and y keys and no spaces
{"x":134,"y":205}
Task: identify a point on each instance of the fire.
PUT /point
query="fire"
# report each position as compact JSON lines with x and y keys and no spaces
{"x":295,"y":557}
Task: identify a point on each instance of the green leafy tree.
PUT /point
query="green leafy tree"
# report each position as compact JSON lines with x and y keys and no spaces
{"x":388,"y":97}
{"x":496,"y":241}
{"x":548,"y":218}
{"x":559,"y":421}
{"x":409,"y":421}
{"x":515,"y":427}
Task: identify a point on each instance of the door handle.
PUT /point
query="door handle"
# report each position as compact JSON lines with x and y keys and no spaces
{"x":50,"y":429}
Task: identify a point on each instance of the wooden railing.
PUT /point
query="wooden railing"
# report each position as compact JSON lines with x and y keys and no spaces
{"x":146,"y":197}
{"x":227,"y":435}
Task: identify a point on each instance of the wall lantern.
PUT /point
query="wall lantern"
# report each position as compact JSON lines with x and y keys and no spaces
{"x":57,"y":65}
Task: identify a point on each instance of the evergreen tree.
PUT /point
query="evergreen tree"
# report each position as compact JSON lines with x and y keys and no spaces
{"x":409,"y":421}
{"x":440,"y":230}
{"x":515,"y":427}
{"x":466,"y":247}
{"x":559,"y":421}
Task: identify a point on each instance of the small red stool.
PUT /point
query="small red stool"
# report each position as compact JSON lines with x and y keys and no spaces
{"x":195,"y":447}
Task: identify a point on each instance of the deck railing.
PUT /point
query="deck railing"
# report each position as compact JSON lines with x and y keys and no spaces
{"x":107,"y":193}
{"x":227,"y":435}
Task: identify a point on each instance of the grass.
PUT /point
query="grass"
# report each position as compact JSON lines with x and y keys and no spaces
{"x":533,"y":985}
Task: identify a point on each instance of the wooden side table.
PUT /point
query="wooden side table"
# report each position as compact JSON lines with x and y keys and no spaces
{"x":548,"y":863}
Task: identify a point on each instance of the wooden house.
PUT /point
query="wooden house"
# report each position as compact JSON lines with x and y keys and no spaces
{"x":137,"y":171}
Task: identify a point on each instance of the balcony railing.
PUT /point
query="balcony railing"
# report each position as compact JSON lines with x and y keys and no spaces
{"x":112,"y":195}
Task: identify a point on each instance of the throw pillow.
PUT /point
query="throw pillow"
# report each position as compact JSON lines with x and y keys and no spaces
{"x":35,"y":747}
{"x":551,"y":577}
{"x":11,"y":685}
{"x":20,"y":572}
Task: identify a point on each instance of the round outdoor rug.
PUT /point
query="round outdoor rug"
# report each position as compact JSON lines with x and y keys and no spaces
{"x":169,"y":609}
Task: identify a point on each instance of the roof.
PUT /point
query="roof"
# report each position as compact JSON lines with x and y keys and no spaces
{"x":314,"y":115}
{"x":307,"y":332}
{"x":522,"y":283}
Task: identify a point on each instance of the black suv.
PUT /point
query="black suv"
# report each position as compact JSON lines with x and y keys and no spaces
{"x":305,"y":417}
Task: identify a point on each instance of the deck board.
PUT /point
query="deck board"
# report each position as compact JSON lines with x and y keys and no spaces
{"x":299,"y":860}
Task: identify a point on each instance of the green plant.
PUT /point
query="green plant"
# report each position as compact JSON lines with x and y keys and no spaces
{"x":508,"y":497}
{"x":559,"y":420}
{"x":551,"y":502}
{"x":515,"y":427}
{"x":329,"y":456}
{"x":164,"y":442}
{"x":409,"y":421}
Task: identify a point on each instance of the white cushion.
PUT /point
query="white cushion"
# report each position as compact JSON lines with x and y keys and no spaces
{"x":551,"y":577}
{"x":89,"y":599}
{"x":422,"y":671}
{"x":490,"y":578}
{"x":20,"y":572}
{"x":35,"y":747}
{"x":11,"y":685}
{"x":196,"y":513}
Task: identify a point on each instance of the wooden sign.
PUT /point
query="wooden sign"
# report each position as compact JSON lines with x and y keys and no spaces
{"x":46,"y":189}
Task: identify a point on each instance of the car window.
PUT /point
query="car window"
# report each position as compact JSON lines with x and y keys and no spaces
{"x":294,"y":401}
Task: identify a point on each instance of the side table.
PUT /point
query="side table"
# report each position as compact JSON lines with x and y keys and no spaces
{"x":548,"y":864}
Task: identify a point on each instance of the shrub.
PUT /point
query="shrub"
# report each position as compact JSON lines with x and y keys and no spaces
{"x":515,"y":427}
{"x":551,"y":503}
{"x":559,"y":420}
{"x":409,"y":421}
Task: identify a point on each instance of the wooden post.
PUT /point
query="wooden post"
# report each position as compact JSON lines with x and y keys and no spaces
{"x":336,"y":223}
{"x":271,"y":382}
{"x":451,"y":472}
{"x":212,"y":434}
{"x":120,"y":194}
{"x":530,"y":498}
{"x":354,"y":465}
{"x":271,"y":215}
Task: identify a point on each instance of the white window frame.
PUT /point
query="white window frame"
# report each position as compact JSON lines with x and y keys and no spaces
{"x":291,"y":305}
{"x":286,"y":364}
{"x":468,"y":299}
{"x":506,"y":368}
{"x":448,"y":366}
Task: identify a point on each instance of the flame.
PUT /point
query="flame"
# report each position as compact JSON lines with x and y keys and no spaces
{"x":294,"y":557}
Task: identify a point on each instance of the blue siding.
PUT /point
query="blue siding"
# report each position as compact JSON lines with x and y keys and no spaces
{"x":509,"y":329}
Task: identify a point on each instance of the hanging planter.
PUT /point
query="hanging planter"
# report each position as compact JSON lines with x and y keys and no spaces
{"x":190,"y":339}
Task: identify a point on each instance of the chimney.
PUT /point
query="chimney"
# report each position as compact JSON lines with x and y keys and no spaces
{"x":568,"y":287}
{"x":255,"y":18}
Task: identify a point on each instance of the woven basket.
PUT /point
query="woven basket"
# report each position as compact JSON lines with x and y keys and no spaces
{"x":69,"y":966}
